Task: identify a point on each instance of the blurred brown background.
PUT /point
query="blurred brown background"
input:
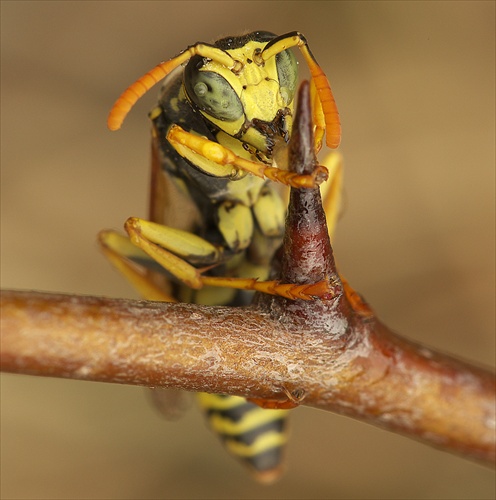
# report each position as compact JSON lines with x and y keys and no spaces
{"x":414,"y":82}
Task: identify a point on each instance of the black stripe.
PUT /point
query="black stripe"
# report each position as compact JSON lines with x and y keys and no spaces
{"x":236,"y":42}
{"x":234,"y":414}
{"x":270,"y":459}
{"x":250,"y":437}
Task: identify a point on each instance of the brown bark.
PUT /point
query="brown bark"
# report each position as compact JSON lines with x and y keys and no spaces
{"x":368,"y":373}
{"x":330,"y":353}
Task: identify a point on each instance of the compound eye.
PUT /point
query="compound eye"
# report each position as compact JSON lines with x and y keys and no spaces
{"x":287,"y":71}
{"x":213,"y":94}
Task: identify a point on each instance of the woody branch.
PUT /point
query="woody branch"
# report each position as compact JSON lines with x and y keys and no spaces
{"x":369,"y":374}
{"x":333,"y":353}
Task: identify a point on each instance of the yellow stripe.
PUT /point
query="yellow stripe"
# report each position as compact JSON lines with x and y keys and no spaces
{"x":263,"y":443}
{"x":257,"y":417}
{"x":216,"y":402}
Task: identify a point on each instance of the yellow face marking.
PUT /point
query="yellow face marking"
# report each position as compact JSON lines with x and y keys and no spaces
{"x":257,"y":87}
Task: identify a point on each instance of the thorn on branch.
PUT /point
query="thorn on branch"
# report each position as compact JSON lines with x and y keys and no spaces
{"x":306,"y":256}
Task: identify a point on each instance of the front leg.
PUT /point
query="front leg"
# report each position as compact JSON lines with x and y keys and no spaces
{"x":222,"y":162}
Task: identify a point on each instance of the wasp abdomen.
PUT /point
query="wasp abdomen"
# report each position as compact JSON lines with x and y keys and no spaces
{"x":253,"y":435}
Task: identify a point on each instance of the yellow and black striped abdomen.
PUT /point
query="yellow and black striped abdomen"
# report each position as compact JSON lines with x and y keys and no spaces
{"x":253,"y":435}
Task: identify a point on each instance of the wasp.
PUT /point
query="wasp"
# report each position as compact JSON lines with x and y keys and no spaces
{"x":219,"y":143}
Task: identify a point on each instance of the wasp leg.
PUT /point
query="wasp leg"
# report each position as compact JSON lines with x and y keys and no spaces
{"x":331,"y":196}
{"x":131,"y":262}
{"x":324,"y":289}
{"x":357,"y":302}
{"x":169,"y":247}
{"x":188,"y":145}
{"x":164,"y":245}
{"x":332,"y":189}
